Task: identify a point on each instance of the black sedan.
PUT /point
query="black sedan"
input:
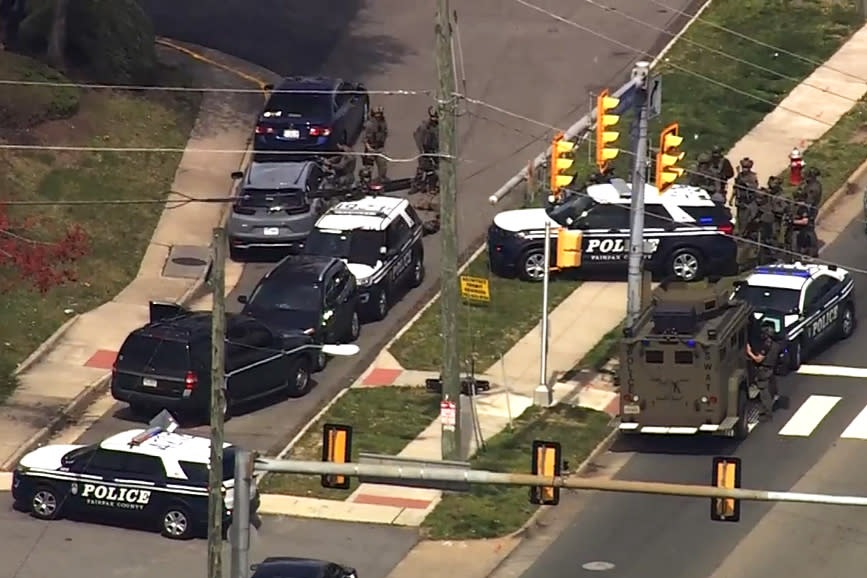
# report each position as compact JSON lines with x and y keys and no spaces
{"x":287,"y":567}
{"x":311,"y":114}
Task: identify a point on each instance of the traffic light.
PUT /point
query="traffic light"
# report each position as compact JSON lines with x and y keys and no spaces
{"x":726,"y":474}
{"x":604,"y":137}
{"x":546,"y":462}
{"x":668,"y":156}
{"x":561,"y":161}
{"x":336,"y":448}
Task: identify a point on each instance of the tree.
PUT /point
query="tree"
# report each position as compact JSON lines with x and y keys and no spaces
{"x":56,"y":52}
{"x":42,"y":264}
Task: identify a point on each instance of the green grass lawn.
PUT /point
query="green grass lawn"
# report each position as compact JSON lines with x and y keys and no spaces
{"x":491,"y":511}
{"x":383,"y":419}
{"x":118,"y":235}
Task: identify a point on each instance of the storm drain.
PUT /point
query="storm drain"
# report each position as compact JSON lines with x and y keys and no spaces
{"x":187,"y":261}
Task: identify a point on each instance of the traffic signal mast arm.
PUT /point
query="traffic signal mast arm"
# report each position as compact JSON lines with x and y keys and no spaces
{"x":605,"y":137}
{"x":503,"y":479}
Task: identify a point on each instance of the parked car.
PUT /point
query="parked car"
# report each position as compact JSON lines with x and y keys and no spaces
{"x":313,"y":294}
{"x":311,"y":114}
{"x":166,"y":364}
{"x":287,"y":567}
{"x":275,"y":207}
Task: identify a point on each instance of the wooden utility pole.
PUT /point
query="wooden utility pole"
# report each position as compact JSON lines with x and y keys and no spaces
{"x":218,"y":403}
{"x":449,"y":300}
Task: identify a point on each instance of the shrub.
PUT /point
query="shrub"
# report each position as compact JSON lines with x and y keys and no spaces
{"x":23,"y":106}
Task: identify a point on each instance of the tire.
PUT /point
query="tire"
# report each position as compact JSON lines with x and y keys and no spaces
{"x":418,"y":271}
{"x":320,"y":362}
{"x":176,"y":523}
{"x":299,"y":381}
{"x":354,"y":329}
{"x":686,"y":264}
{"x":379,"y":306}
{"x":847,"y":323}
{"x":531,"y":265}
{"x":742,"y":429}
{"x":45,"y":503}
{"x":796,"y":352}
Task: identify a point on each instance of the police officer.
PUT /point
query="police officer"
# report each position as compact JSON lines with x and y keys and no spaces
{"x":803,"y":239}
{"x":765,"y":225}
{"x":343,"y":164}
{"x":812,"y":186}
{"x":780,"y":207}
{"x":427,"y":142}
{"x":746,"y":185}
{"x":765,"y":357}
{"x":702,"y":176}
{"x":601,"y":177}
{"x":375,"y":135}
{"x":722,"y":169}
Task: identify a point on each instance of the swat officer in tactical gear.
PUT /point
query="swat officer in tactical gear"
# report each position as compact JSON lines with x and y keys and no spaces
{"x":765,"y":356}
{"x":765,"y":225}
{"x":427,"y":142}
{"x":722,"y":169}
{"x":746,"y":185}
{"x":812,"y":186}
{"x":375,"y":135}
{"x":702,"y":175}
{"x":343,"y":164}
{"x":780,"y":207}
{"x":803,"y":239}
{"x":601,"y":177}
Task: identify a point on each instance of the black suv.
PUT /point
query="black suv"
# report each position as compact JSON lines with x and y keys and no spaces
{"x":166,"y":364}
{"x":316,"y":295}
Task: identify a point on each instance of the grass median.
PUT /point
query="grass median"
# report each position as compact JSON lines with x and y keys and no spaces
{"x":492,"y":511}
{"x":384,"y":420}
{"x":117,"y":234}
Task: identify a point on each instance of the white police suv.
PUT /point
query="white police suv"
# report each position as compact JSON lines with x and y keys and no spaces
{"x":810,"y":305}
{"x":687,"y":234}
{"x":380,"y":238}
{"x":154,"y":477}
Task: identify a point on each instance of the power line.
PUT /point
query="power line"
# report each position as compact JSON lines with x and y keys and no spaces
{"x":683,"y":69}
{"x":721,"y":52}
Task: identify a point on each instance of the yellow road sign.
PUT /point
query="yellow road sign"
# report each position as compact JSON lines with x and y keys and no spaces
{"x":475,"y":289}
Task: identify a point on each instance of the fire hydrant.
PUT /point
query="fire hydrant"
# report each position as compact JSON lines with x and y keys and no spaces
{"x":796,"y":167}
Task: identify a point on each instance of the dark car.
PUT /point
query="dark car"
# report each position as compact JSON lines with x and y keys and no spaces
{"x":312,"y":294}
{"x":311,"y":114}
{"x":166,"y":364}
{"x":286,"y":567}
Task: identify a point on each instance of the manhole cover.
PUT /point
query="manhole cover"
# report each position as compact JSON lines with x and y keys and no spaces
{"x":189,"y":262}
{"x":598,"y":566}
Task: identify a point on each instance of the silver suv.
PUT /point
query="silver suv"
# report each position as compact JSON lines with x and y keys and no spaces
{"x":273,"y":206}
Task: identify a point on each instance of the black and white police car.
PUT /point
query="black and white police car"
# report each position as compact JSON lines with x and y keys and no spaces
{"x":809,"y":305}
{"x":688,"y":234}
{"x":380,"y":238}
{"x":153,"y":477}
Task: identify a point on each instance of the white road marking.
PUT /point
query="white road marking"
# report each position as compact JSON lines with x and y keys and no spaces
{"x":809,"y":415}
{"x":857,"y":429}
{"x":93,"y":413}
{"x":833,"y":370}
{"x":598,"y":566}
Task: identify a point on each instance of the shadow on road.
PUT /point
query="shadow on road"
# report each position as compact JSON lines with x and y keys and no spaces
{"x":694,"y":446}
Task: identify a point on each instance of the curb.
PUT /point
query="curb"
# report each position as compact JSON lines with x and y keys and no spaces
{"x":830,"y":204}
{"x":43,"y":348}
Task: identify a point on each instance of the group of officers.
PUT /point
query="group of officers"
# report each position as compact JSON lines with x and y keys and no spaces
{"x":778,"y":227}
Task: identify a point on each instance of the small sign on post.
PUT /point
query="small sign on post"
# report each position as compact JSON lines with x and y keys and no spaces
{"x":448,"y":415}
{"x":655,"y":97}
{"x":475,"y":289}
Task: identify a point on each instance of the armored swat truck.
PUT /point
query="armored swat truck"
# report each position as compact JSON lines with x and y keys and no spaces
{"x":683,"y":366}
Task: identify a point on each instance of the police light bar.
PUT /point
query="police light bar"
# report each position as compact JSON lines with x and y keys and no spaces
{"x":358,"y":212}
{"x":163,"y":422}
{"x":781,"y":271}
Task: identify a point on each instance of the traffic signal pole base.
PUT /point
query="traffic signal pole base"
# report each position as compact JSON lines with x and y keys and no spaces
{"x":540,"y":396}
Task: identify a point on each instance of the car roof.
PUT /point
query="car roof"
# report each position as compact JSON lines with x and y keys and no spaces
{"x":620,"y":192}
{"x":277,"y":175}
{"x":301,"y":267}
{"x":308,"y":83}
{"x":791,"y":275}
{"x":173,"y":445}
{"x":370,"y":213}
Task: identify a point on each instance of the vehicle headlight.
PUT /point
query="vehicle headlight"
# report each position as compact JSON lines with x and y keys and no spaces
{"x":364,"y":282}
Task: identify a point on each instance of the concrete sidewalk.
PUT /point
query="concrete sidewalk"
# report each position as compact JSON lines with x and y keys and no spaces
{"x":70,"y":369}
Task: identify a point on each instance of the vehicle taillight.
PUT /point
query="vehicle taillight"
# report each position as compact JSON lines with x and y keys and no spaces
{"x":726,"y":229}
{"x":262,"y":129}
{"x":191,"y":380}
{"x":319,"y":131}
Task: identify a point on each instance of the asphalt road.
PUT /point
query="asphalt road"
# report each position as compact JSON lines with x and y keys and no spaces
{"x":658,"y":537}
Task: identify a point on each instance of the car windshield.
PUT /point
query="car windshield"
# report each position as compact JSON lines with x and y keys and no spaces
{"x":300,"y":105}
{"x":298,"y":296}
{"x":357,"y":246}
{"x":769,"y":298}
{"x":71,"y":457}
{"x":287,"y":198}
{"x":570,"y":209}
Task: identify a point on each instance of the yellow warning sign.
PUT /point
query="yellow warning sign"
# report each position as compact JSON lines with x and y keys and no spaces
{"x":475,"y":289}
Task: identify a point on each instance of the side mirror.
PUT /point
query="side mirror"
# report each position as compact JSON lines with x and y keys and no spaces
{"x":242,"y":298}
{"x":237,"y":176}
{"x":383,"y":250}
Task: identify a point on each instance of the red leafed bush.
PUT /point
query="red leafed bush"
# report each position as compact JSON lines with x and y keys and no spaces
{"x":39,"y":263}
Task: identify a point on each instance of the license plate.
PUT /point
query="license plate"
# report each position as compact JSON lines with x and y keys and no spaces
{"x":290,"y":133}
{"x":148,"y":382}
{"x":272,"y":231}
{"x":631,"y":409}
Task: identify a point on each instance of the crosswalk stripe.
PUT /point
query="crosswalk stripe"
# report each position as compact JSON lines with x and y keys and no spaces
{"x":857,"y":428}
{"x":833,"y":371}
{"x":809,"y":415}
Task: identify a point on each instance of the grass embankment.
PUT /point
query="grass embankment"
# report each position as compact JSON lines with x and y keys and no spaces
{"x":384,"y":420}
{"x":117,"y":234}
{"x":491,"y":511}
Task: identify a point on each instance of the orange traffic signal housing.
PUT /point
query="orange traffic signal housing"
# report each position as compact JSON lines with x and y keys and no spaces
{"x":336,"y":448}
{"x":726,"y":474}
{"x":668,"y":156}
{"x":546,"y":462}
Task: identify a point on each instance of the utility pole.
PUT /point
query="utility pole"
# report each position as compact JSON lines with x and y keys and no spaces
{"x":240,"y":529}
{"x":641,"y":73}
{"x":218,"y":403}
{"x":448,"y":180}
{"x":544,"y":390}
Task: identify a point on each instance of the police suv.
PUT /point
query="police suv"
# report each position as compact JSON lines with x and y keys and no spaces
{"x":809,"y":304}
{"x":685,"y":232}
{"x":155,"y":477}
{"x":380,"y":238}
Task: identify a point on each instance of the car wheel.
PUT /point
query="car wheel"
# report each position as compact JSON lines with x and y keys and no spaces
{"x":417,"y":271}
{"x":795,"y":353}
{"x":379,"y":307}
{"x":45,"y":503}
{"x":686,"y":265}
{"x":299,"y":381}
{"x":847,"y":323}
{"x":532,"y":265}
{"x":320,"y":362}
{"x":176,"y":523}
{"x":354,"y":329}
